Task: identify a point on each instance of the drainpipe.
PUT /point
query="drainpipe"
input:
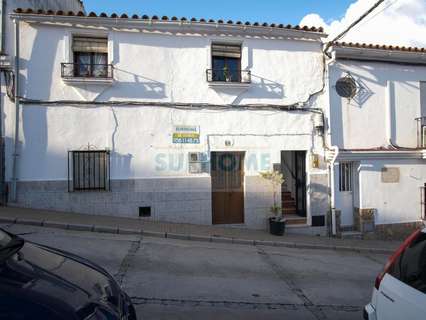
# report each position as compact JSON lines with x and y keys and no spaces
{"x":388,"y":104}
{"x":333,"y":230}
{"x":13,"y":195}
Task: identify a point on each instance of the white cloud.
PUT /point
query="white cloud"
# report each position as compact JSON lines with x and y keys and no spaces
{"x":394,"y":22}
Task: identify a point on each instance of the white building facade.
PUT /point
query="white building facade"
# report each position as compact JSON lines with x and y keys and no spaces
{"x":167,"y":119}
{"x":378,"y":109}
{"x":7,"y":55}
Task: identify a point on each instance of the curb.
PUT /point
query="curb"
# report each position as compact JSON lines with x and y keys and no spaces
{"x":188,"y":237}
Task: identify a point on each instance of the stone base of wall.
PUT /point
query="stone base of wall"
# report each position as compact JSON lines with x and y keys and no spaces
{"x":397,"y":231}
{"x":185,"y":200}
{"x":364,"y":221}
{"x":180,"y":200}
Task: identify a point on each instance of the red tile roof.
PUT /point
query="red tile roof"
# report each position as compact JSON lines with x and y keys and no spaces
{"x":165,"y":18}
{"x":378,"y":47}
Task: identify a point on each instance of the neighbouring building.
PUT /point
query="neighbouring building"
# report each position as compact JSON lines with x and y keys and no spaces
{"x":378,"y":122}
{"x":168,"y":119}
{"x":7,"y":56}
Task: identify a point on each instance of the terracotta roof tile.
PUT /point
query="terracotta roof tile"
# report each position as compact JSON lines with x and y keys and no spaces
{"x":379,"y":47}
{"x":165,"y":18}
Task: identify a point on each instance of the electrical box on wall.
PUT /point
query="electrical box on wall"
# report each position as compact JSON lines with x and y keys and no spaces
{"x":198,"y":162}
{"x":315,"y":161}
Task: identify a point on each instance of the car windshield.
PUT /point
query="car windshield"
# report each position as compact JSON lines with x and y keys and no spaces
{"x":9,"y":244}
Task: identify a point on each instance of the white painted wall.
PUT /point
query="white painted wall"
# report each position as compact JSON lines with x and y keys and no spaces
{"x":164,"y":67}
{"x":160,"y":68}
{"x":388,"y":107}
{"x":395,"y":202}
{"x":392,"y":100}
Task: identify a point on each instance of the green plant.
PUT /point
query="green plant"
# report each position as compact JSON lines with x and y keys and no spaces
{"x":275,"y":179}
{"x":226,"y":73}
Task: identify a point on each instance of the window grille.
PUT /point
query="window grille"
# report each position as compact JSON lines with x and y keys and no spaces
{"x":345,"y":176}
{"x":89,"y":170}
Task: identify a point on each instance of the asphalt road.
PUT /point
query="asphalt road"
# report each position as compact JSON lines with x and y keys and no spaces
{"x":172,"y":279}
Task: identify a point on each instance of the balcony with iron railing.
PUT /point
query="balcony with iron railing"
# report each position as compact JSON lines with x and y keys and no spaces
{"x":421,"y":132}
{"x":228,"y":77}
{"x":87,"y":72}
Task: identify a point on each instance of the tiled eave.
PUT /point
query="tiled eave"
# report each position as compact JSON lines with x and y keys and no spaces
{"x":182,"y":25}
{"x":390,"y":54}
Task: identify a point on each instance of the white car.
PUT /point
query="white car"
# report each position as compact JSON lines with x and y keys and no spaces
{"x":400,"y":290}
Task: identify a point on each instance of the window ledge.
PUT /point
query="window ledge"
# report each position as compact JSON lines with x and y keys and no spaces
{"x":78,"y":80}
{"x":229,"y":84}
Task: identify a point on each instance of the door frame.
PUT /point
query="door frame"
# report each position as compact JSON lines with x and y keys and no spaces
{"x":346,"y":187}
{"x":302,"y":185}
{"x":242,"y":172}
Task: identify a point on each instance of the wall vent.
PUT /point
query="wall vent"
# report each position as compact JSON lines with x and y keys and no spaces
{"x":144,"y":212}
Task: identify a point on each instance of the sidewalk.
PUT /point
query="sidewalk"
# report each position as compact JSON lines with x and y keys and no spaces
{"x":96,"y":223}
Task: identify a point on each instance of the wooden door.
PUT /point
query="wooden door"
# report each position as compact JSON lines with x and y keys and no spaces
{"x":227,"y":173}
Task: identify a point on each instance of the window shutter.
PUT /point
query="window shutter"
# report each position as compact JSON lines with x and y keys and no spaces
{"x":226,"y":50}
{"x":88,"y":44}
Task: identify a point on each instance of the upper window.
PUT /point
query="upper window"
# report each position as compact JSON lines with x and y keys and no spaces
{"x":90,"y":58}
{"x":226,"y":64}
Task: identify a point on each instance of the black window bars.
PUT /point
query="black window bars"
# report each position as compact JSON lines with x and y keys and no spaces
{"x":87,"y":70}
{"x":89,"y":170}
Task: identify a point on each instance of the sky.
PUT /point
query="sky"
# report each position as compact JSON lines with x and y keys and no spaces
{"x":394,"y":22}
{"x":278,"y":11}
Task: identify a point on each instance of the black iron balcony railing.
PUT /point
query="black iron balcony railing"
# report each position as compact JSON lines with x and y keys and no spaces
{"x":421,"y":132}
{"x":78,"y":70}
{"x":226,"y":75}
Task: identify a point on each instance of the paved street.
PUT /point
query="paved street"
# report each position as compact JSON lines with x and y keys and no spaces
{"x":173,"y":279}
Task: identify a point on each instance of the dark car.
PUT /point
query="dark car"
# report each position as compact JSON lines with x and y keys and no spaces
{"x":39,"y":282}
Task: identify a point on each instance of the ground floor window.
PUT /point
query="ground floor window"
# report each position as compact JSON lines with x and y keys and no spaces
{"x":89,"y":170}
{"x":345,"y":176}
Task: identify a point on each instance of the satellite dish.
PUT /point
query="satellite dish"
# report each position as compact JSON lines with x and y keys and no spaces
{"x":346,"y":87}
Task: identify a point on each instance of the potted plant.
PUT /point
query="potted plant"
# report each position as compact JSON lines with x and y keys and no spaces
{"x":276,"y":221}
{"x":226,"y":74}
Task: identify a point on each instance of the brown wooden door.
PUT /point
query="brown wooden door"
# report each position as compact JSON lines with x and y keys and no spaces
{"x":227,"y":172}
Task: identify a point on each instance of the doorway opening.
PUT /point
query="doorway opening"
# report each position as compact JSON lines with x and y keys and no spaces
{"x":293,"y":190}
{"x":227,"y":174}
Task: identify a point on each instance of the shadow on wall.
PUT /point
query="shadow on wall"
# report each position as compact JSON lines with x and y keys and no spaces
{"x":266,"y":88}
{"x":37,"y":85}
{"x":121,"y":163}
{"x":379,"y":74}
{"x":136,"y":87}
{"x":319,"y":198}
